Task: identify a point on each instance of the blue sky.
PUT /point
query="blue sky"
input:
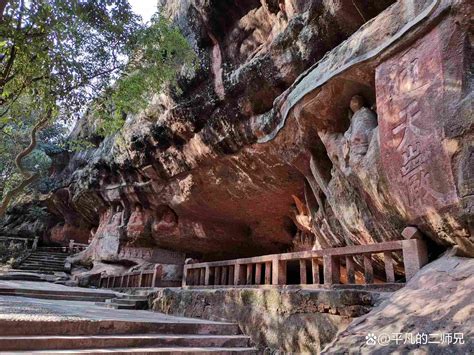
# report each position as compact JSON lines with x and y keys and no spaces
{"x":145,"y":8}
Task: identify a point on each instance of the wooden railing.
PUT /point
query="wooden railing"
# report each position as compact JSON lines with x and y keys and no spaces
{"x":134,"y":279}
{"x":325,"y":266}
{"x":76,"y":247}
{"x":64,"y":250}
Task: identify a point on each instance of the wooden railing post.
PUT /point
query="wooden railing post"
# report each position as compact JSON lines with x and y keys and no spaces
{"x":303,"y":278}
{"x":415,"y":256}
{"x":207,"y":275}
{"x":230,"y":275}
{"x":388,"y":262}
{"x":140,"y":277}
{"x":331,"y":269}
{"x":237,"y":274}
{"x":268,"y":273}
{"x":224,"y":275}
{"x":202,"y":276}
{"x":35,"y":243}
{"x":278,"y":272}
{"x":196,"y":275}
{"x":217,"y":275}
{"x":368,"y":269}
{"x":249,"y":274}
{"x":157,"y":274}
{"x":315,"y":267}
{"x":71,"y":246}
{"x":258,"y":274}
{"x":350,"y":269}
{"x":185,"y":276}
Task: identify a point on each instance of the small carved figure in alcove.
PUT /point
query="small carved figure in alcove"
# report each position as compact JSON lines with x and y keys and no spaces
{"x":359,"y":134}
{"x":166,"y":221}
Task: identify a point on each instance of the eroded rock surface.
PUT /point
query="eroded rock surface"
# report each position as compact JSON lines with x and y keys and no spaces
{"x":421,"y":307}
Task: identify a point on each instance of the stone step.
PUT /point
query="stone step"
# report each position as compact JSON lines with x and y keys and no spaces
{"x":33,"y":271}
{"x":60,"y":295}
{"x":153,"y":350}
{"x":39,"y":263}
{"x":120,"y":341}
{"x":126,"y":301}
{"x":115,"y":327}
{"x":49,"y":255}
{"x":118,"y":306}
{"x":133,"y":297}
{"x":36,"y":269}
{"x":42,"y":266}
{"x":20,"y":277}
{"x":44,"y":259}
{"x":55,"y":297}
{"x":45,"y":263}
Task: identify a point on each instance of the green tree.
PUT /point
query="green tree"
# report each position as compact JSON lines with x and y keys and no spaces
{"x":60,"y":56}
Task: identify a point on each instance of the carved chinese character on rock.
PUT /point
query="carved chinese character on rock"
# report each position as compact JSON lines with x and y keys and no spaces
{"x":410,"y":89}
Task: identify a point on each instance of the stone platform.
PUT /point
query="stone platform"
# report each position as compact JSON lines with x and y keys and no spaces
{"x":47,"y":290}
{"x":29,"y":325}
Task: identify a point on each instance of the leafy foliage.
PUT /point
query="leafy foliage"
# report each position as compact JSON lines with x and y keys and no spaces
{"x":60,"y":58}
{"x":161,"y":51}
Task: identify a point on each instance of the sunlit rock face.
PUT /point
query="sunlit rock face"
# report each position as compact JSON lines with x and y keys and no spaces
{"x":370,"y":128}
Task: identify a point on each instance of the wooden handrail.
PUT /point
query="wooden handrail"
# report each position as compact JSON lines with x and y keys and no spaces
{"x":271,"y":269}
{"x":76,"y":247}
{"x":133,"y":279}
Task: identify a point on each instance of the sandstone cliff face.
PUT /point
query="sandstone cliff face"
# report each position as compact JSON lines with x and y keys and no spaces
{"x":268,"y":147}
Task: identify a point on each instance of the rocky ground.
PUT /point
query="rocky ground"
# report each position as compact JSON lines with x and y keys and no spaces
{"x":436,"y":304}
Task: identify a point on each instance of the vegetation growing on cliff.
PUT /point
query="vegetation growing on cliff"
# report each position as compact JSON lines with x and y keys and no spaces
{"x":59,"y":56}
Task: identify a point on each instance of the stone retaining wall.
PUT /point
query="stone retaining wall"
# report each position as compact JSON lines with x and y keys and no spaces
{"x":291,"y":320}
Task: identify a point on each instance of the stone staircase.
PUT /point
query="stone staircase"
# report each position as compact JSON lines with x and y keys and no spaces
{"x":107,"y":336}
{"x":43,"y":261}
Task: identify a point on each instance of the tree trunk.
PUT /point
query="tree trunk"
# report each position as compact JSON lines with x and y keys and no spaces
{"x":3,"y":5}
{"x":13,"y":193}
{"x":28,"y":178}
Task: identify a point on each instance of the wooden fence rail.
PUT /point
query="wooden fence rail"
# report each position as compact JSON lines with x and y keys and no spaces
{"x":134,"y":279}
{"x":324,"y":265}
{"x":76,"y":247}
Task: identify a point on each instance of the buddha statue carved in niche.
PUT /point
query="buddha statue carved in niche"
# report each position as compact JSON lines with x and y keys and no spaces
{"x":359,"y":134}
